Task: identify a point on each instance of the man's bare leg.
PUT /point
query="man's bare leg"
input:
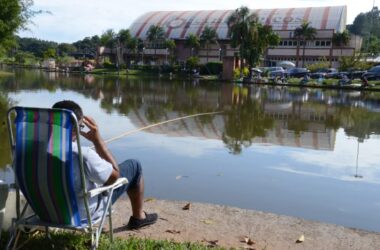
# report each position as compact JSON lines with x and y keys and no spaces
{"x":136,"y":196}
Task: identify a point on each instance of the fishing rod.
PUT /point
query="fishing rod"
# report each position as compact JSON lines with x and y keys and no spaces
{"x":157,"y":124}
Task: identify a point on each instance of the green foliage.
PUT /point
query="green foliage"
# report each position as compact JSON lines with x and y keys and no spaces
{"x":49,"y":53}
{"x":108,"y":38}
{"x":211,"y":68}
{"x":35,"y":46}
{"x":88,"y":44}
{"x":192,"y":41}
{"x":65,"y":49}
{"x":250,"y":35}
{"x":304,"y":33}
{"x":78,"y":241}
{"x":340,"y":39}
{"x":353,"y":63}
{"x":324,"y":64}
{"x":10,"y":19}
{"x":156,"y":35}
{"x":108,"y":65}
{"x":25,"y":58}
{"x":192,"y":62}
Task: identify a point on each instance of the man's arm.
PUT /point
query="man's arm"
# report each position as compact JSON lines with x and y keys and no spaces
{"x":93,"y":135}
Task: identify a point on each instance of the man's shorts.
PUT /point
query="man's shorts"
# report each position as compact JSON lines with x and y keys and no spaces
{"x":130,"y":169}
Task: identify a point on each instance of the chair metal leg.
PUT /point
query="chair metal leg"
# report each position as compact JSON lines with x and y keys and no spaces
{"x":110,"y":222}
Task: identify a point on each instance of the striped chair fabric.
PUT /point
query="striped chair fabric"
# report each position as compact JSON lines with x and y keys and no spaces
{"x":44,"y":164}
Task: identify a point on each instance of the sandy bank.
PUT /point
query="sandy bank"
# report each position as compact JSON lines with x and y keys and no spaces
{"x":227,"y":225}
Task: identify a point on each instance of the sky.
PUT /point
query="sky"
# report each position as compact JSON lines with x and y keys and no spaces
{"x":73,"y":20}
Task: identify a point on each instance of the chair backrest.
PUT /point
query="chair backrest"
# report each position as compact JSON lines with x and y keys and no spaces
{"x":43,"y":163}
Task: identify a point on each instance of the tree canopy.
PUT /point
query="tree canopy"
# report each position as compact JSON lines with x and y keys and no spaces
{"x":14,"y":15}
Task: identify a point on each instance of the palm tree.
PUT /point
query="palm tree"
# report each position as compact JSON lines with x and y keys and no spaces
{"x":341,"y":39}
{"x":170,"y":47}
{"x":124,"y":37}
{"x":304,"y":33}
{"x":108,"y":39}
{"x":239,"y":23}
{"x":192,"y":42}
{"x":156,"y":35}
{"x":252,"y":38}
{"x":208,"y":36}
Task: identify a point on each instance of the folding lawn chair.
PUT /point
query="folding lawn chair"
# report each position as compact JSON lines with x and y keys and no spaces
{"x":43,"y":163}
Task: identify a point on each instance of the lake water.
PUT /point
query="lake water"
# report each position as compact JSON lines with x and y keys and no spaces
{"x":307,"y":153}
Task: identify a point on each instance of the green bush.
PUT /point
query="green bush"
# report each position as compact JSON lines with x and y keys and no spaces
{"x":192,"y":62}
{"x":211,"y":68}
{"x":109,"y":65}
{"x":320,"y":65}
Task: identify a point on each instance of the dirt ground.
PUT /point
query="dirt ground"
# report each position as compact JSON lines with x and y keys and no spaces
{"x":232,"y":227}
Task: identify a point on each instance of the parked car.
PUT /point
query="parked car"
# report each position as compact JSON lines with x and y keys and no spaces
{"x":373,"y":73}
{"x":276,"y":72}
{"x":326,"y":72}
{"x":297,"y":72}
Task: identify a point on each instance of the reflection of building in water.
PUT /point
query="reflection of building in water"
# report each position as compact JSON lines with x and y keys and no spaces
{"x":314,"y":135}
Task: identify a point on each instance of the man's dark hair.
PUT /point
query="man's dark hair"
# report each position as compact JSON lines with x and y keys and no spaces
{"x":70,"y":105}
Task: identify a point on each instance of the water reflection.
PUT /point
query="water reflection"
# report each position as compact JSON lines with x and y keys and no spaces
{"x":307,"y":118}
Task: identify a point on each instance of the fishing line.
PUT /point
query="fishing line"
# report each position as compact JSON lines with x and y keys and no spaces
{"x":157,"y":124}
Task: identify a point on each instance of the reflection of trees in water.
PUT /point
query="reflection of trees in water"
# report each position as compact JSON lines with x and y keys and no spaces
{"x":5,"y":152}
{"x":363,"y":124}
{"x":244,"y":122}
{"x":159,"y":98}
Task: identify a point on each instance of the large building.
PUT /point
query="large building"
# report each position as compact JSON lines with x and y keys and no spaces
{"x":178,"y":25}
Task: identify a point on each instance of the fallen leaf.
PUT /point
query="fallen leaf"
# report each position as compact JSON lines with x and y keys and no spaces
{"x":186,"y":207}
{"x":149,"y":199}
{"x":246,"y":239}
{"x":211,"y":243}
{"x":173,"y":231}
{"x":208,"y":222}
{"x":301,"y":239}
{"x":250,"y":242}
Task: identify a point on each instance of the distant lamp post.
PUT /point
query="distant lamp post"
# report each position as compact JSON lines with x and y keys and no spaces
{"x":357,"y":161}
{"x":220,"y":54}
{"x":192,"y":51}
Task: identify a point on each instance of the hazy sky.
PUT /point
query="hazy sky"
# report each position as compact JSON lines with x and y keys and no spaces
{"x":72,"y":20}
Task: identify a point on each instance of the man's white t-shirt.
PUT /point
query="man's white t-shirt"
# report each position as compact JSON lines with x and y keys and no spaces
{"x":97,"y":172}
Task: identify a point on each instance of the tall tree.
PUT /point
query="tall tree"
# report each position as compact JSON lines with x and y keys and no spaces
{"x":259,"y":40}
{"x":303,"y":34}
{"x":341,"y":39}
{"x":14,"y":15}
{"x":209,"y":36}
{"x":239,"y":24}
{"x":124,"y":37}
{"x":192,"y":41}
{"x":170,"y":48}
{"x":252,"y":38}
{"x":156,"y":35}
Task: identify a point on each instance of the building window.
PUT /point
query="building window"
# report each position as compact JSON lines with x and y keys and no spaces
{"x":317,"y":43}
{"x":323,"y":43}
{"x":328,"y":43}
{"x":285,"y":43}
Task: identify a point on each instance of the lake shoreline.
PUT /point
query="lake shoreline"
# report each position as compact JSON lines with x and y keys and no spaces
{"x":227,"y":226}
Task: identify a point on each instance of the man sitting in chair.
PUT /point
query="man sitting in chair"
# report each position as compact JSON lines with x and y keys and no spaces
{"x":102,"y":169}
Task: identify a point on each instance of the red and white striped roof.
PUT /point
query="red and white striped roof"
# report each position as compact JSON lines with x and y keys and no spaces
{"x":179,"y":24}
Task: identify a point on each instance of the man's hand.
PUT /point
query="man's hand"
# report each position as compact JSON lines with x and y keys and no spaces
{"x":93,"y":134}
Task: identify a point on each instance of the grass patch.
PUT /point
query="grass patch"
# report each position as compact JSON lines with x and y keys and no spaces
{"x":79,"y":241}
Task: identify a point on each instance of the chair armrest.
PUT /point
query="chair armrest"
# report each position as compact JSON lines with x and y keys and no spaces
{"x":118,"y":183}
